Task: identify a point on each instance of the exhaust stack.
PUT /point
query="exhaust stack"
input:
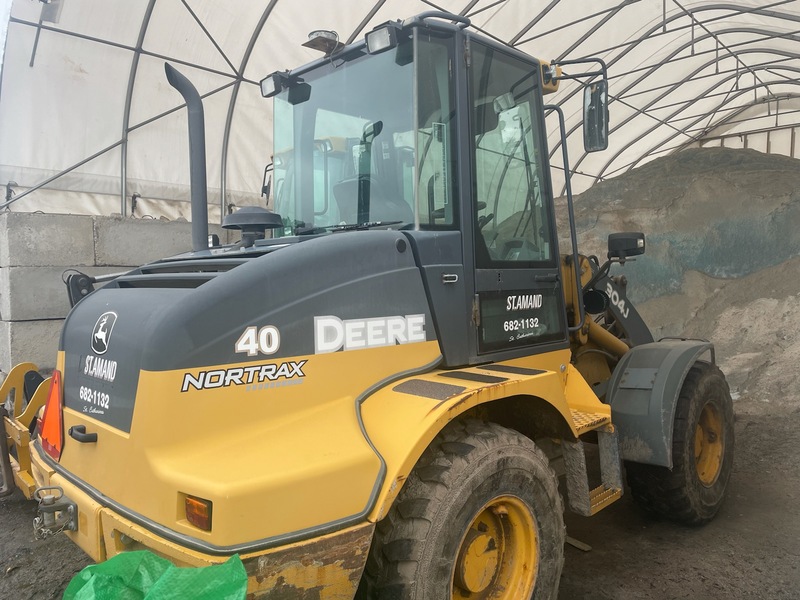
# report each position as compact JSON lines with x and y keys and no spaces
{"x":197,"y":156}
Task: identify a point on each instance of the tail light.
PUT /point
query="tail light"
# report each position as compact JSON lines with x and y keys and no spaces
{"x":198,"y":512}
{"x":52,"y":427}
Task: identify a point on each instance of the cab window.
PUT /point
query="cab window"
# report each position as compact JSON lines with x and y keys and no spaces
{"x":511,"y":215}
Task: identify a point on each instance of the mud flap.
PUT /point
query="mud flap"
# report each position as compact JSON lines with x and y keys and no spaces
{"x":6,"y":472}
{"x":643,"y":392}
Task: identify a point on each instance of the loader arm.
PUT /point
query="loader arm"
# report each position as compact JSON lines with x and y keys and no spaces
{"x":18,"y":425}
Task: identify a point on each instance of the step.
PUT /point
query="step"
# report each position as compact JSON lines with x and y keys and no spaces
{"x":582,"y":500}
{"x":602,"y":496}
{"x":587,"y":421}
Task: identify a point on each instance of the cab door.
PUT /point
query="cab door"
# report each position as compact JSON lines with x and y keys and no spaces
{"x":518,"y":304}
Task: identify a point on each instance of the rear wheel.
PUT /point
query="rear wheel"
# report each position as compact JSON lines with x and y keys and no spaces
{"x":702,"y":453}
{"x":479,"y":518}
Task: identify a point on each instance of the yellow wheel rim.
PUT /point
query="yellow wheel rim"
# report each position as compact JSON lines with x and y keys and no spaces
{"x":708,"y":442}
{"x":497,"y":557}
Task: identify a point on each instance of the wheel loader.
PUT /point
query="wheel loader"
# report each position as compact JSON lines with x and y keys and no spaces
{"x":383,"y":389}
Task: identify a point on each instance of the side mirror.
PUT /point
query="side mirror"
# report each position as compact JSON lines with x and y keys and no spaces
{"x":625,"y":245}
{"x":595,"y":116}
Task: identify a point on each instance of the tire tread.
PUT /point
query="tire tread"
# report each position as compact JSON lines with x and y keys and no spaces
{"x":663,"y":492}
{"x":400,"y":537}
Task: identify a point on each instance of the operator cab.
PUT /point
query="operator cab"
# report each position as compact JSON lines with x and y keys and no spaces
{"x":348,"y":149}
{"x":429,"y":129}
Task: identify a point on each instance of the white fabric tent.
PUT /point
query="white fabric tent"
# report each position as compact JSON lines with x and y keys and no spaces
{"x":87,"y":119}
{"x":5,"y":12}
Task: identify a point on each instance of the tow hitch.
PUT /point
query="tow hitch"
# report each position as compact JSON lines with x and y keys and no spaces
{"x":55,"y":514}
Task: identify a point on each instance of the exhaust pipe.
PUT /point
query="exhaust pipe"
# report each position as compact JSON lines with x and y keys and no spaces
{"x":197,"y":156}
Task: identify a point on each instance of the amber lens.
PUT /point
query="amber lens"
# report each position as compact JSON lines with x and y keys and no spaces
{"x":198,"y":512}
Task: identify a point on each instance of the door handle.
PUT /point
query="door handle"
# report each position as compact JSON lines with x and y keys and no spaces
{"x":549,"y":278}
{"x":78,"y":432}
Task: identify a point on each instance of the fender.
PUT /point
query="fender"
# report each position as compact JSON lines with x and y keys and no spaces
{"x":402,"y":418}
{"x":643,"y":392}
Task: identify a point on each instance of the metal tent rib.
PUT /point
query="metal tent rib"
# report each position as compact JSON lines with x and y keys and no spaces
{"x":677,"y":71}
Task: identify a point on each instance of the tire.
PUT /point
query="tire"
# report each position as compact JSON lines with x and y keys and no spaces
{"x":479,"y":517}
{"x":702,"y":453}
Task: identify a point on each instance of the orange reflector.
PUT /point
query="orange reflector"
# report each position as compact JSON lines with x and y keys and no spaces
{"x":52,"y":428}
{"x":198,"y":512}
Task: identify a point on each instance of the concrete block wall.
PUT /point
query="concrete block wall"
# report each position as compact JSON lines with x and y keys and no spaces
{"x":36,"y":249}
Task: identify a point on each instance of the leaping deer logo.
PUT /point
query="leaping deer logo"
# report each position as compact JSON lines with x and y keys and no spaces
{"x":102,"y":332}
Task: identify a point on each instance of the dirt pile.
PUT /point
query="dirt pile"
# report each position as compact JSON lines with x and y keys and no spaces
{"x":722,"y":261}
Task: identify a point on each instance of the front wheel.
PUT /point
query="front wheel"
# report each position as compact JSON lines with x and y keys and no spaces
{"x":480,"y":517}
{"x":702,"y":453}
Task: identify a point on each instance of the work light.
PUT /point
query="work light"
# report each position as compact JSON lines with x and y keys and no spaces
{"x":274,"y":83}
{"x":382,"y":38}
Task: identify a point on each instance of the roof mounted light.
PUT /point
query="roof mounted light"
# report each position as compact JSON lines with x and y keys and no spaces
{"x":274,"y":83}
{"x":323,"y":40}
{"x":383,"y":37}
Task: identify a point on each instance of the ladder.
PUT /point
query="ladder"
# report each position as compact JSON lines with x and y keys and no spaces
{"x":582,"y":500}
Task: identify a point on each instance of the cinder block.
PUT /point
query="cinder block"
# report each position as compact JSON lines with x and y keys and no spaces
{"x":34,"y":341}
{"x":32,"y":239}
{"x":31,"y":293}
{"x":133,"y":242}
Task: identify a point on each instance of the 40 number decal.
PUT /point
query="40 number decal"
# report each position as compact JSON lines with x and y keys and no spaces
{"x":613,"y":295}
{"x":253,"y":340}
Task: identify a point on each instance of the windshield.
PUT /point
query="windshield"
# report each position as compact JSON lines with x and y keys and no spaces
{"x":347,"y":152}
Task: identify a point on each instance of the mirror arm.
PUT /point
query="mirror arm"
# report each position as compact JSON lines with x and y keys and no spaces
{"x":571,"y":209}
{"x":602,"y":71}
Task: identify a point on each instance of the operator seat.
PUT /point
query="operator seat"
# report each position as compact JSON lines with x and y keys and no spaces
{"x":382,"y":207}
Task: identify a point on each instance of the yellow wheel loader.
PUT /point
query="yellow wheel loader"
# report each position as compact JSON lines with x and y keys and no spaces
{"x":374,"y":393}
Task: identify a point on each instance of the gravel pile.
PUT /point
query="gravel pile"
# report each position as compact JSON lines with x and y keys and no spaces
{"x":722,"y":261}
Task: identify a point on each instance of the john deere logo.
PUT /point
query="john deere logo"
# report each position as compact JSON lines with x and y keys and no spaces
{"x":101,"y":334}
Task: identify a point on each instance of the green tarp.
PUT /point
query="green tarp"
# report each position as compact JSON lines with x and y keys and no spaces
{"x":142,"y":575}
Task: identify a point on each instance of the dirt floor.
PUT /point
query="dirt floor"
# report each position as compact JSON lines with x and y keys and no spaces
{"x":751,"y":550}
{"x":31,"y":569}
{"x":723,"y":263}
